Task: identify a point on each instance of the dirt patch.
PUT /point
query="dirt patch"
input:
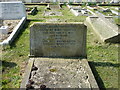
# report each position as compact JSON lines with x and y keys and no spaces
{"x":11,"y":25}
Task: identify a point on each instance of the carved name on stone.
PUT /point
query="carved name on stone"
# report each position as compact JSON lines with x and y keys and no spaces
{"x":58,"y":39}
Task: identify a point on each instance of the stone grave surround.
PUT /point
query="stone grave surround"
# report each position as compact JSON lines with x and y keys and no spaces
{"x":53,"y":47}
{"x":58,"y":39}
{"x":12,"y":10}
{"x":54,"y":7}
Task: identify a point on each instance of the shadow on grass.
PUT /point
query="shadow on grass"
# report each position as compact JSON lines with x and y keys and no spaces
{"x":36,"y":20}
{"x":97,"y":77}
{"x":19,"y":35}
{"x":7,"y":65}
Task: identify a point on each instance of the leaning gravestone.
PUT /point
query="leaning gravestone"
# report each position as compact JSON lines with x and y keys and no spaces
{"x":12,"y":10}
{"x":104,"y":28}
{"x":58,"y":52}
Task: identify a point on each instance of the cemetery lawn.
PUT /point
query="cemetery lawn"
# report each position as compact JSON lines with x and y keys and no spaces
{"x":102,"y":57}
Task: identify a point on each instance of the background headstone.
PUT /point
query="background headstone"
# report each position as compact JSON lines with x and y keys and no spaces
{"x":105,"y":29}
{"x":58,"y":39}
{"x":12,"y":10}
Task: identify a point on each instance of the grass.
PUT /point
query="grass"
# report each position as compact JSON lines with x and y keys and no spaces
{"x":102,"y":57}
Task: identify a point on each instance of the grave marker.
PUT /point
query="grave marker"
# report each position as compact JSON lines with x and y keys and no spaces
{"x":105,"y":29}
{"x":58,"y":39}
{"x":12,"y":10}
{"x":50,"y":44}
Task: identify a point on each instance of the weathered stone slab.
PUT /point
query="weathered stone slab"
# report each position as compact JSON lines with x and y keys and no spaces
{"x":58,"y":39}
{"x":12,"y":10}
{"x":54,"y":7}
{"x":104,"y":28}
{"x":59,"y":73}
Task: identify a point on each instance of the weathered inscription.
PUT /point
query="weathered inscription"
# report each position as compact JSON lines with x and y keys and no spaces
{"x":58,"y":39}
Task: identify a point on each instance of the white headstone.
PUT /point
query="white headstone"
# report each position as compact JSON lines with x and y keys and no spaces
{"x":12,"y":10}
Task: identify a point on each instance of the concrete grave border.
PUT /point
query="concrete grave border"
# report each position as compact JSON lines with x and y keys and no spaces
{"x":28,"y":69}
{"x":15,"y":32}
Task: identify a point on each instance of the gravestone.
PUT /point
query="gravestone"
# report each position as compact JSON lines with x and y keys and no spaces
{"x":58,"y":40}
{"x":58,"y":52}
{"x":12,"y":10}
{"x":105,"y":29}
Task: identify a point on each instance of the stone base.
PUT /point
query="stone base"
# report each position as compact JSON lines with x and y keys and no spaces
{"x":59,"y":73}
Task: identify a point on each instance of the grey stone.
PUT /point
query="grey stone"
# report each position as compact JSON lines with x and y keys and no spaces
{"x":58,"y":39}
{"x":3,"y":29}
{"x":12,"y":10}
{"x":104,"y":28}
{"x":54,"y":7}
{"x":56,"y":20}
{"x":15,"y":32}
{"x":3,"y":32}
{"x":60,"y":74}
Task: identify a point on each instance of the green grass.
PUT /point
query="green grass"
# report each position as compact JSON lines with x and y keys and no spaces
{"x":67,"y":15}
{"x":102,"y":57}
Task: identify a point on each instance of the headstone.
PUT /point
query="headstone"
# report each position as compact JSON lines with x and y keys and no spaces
{"x":58,"y":39}
{"x":104,"y":28}
{"x":12,"y":10}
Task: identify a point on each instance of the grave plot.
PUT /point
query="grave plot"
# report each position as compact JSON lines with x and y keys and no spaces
{"x":102,"y":11}
{"x":7,"y":28}
{"x":58,"y":57}
{"x":53,"y":7}
{"x":107,"y":11}
{"x":13,"y":17}
{"x":52,"y":13}
{"x":31,"y":10}
{"x":79,"y":11}
{"x":114,"y":10}
{"x":52,"y":10}
{"x":95,"y":10}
